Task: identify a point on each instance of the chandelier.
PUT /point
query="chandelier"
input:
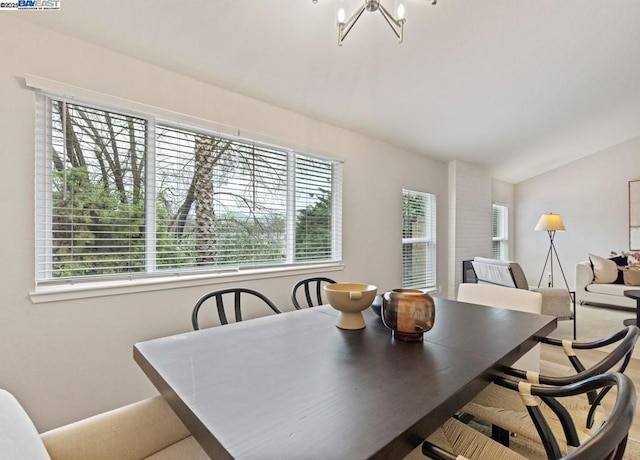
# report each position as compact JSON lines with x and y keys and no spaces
{"x":396,"y":20}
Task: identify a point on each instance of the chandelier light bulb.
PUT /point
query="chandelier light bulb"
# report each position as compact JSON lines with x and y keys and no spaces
{"x":401,"y":10}
{"x":341,"y":12}
{"x":395,"y":18}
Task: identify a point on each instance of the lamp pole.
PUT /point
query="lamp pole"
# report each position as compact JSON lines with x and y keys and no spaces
{"x":549,"y":260}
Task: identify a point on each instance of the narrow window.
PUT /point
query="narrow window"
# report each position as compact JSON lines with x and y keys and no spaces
{"x":418,"y":240}
{"x":500,"y":234}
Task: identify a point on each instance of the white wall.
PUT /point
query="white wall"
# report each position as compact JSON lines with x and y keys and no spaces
{"x":69,"y":359}
{"x":470,"y":191}
{"x":591,"y":195}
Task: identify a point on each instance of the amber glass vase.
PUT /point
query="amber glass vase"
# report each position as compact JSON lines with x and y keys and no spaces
{"x":409,"y":313}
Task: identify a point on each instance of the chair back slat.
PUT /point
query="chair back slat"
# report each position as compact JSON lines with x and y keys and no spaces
{"x":239,"y":294}
{"x":610,"y":437}
{"x":220,"y":306}
{"x":309,"y":285}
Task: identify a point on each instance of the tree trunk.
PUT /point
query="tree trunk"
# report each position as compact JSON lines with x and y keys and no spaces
{"x":205,"y":159}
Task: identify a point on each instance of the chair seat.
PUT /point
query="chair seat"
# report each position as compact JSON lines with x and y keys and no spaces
{"x":454,"y":436}
{"x":503,"y":407}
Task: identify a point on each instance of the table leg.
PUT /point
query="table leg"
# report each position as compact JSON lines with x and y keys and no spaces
{"x":632,"y":321}
{"x":575,"y":327}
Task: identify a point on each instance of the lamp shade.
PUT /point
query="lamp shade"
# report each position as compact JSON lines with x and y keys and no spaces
{"x":550,"y":223}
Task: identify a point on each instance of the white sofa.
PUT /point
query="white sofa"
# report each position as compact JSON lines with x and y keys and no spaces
{"x":148,"y":429}
{"x":588,"y":292}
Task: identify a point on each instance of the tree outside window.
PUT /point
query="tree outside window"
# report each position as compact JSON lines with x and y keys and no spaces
{"x":121,"y":194}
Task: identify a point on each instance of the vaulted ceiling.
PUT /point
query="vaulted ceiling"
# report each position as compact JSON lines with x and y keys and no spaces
{"x":520,"y":87}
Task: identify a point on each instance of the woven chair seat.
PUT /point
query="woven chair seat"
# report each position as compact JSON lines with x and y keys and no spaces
{"x":504,"y":408}
{"x":455,"y":436}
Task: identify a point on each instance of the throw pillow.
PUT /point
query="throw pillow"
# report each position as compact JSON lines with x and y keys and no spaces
{"x":621,"y":261}
{"x":631,"y":277}
{"x":605,"y":271}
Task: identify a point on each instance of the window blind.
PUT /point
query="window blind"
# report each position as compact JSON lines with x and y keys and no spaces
{"x":125,"y":195}
{"x":500,"y":236}
{"x":95,"y":188}
{"x":418,"y":240}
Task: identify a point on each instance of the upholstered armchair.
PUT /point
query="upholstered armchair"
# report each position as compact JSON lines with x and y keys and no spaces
{"x":555,"y":301}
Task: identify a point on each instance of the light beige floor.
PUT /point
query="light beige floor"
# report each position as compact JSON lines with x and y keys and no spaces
{"x":594,"y":323}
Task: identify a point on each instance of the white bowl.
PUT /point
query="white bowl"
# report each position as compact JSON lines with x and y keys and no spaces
{"x":350,"y":299}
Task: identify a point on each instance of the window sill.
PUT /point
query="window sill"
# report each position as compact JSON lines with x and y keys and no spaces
{"x":84,"y":290}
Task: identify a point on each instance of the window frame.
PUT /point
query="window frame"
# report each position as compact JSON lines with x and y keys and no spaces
{"x":53,"y":289}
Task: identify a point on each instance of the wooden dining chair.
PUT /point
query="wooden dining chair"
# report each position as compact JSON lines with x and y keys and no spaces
{"x":240,"y":296}
{"x":458,"y":441}
{"x":310,"y":285}
{"x":503,"y":409}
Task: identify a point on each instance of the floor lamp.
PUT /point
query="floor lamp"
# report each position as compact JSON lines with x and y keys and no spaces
{"x":551,"y":223}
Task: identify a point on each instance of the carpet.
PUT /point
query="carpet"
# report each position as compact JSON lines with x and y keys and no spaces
{"x":594,"y":323}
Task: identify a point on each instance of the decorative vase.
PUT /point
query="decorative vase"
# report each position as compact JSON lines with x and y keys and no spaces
{"x":350,"y":299}
{"x":408,"y":313}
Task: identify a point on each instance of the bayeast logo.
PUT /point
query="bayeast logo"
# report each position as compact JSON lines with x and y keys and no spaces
{"x":31,"y":5}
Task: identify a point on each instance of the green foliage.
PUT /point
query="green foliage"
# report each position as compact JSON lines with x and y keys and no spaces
{"x":94,"y":232}
{"x":246,"y":241}
{"x":313,"y":230}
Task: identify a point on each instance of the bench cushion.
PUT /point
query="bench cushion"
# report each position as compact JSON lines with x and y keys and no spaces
{"x":131,"y":432}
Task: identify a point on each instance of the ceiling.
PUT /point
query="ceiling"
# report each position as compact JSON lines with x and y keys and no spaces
{"x":520,"y":87}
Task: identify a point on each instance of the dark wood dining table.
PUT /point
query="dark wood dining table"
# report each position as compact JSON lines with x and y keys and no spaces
{"x":294,"y":386}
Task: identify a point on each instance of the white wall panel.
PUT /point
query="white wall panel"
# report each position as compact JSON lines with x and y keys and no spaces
{"x":66,"y":360}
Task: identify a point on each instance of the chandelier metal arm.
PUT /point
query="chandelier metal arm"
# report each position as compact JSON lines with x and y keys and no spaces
{"x":397,"y":25}
{"x":344,"y":29}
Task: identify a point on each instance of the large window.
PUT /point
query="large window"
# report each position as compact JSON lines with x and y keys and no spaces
{"x":126,"y":195}
{"x":500,"y":233}
{"x":418,"y":240}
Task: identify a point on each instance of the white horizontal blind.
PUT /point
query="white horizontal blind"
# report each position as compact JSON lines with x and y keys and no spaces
{"x":95,"y":176}
{"x":113,"y":202}
{"x":314,"y":209}
{"x":500,"y":235}
{"x":418,"y":240}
